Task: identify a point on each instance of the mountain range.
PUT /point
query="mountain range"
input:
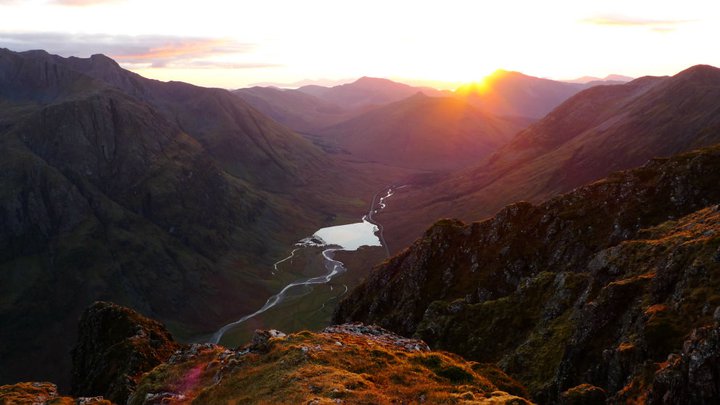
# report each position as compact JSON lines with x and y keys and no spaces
{"x":145,"y":193}
{"x":312,"y":108}
{"x":590,"y":274}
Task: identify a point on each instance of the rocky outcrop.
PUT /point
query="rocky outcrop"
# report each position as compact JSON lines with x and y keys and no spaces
{"x":342,"y":364}
{"x":690,"y":376}
{"x":116,"y":345}
{"x":595,"y":287}
{"x":583,"y":394}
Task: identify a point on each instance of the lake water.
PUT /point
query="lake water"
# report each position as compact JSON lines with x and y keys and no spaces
{"x":350,"y":236}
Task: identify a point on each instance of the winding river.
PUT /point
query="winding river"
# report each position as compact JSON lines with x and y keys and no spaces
{"x":347,"y":237}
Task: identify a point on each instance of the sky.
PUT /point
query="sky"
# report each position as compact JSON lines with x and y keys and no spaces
{"x":233,"y":44}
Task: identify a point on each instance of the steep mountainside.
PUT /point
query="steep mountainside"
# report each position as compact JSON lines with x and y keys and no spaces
{"x":599,"y":286}
{"x":424,"y":133}
{"x":602,"y":129}
{"x":246,"y":143}
{"x":163,"y":196}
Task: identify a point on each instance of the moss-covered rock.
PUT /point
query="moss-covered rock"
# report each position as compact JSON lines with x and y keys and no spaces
{"x":42,"y":393}
{"x":116,"y":345}
{"x":354,"y":364}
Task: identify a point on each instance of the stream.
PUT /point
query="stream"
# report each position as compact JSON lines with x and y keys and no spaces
{"x":347,"y":237}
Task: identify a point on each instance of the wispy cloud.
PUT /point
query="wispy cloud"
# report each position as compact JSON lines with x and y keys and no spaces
{"x":164,"y":51}
{"x":83,"y":3}
{"x":659,"y":25}
{"x":141,"y":51}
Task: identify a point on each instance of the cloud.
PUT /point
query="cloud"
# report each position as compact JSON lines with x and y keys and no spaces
{"x":625,"y":21}
{"x":83,"y":3}
{"x":141,"y":51}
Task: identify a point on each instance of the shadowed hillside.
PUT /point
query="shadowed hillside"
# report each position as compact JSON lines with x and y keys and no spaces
{"x":600,"y":130}
{"x":423,"y":133}
{"x":598,"y":286}
{"x":166,"y":197}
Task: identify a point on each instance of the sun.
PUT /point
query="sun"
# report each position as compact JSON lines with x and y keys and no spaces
{"x":448,"y":77}
{"x":482,"y":86}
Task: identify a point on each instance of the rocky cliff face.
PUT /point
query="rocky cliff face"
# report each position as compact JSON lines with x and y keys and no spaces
{"x":115,"y":347}
{"x":598,"y":286}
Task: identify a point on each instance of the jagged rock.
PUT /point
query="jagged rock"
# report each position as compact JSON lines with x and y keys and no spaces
{"x":583,"y":394}
{"x":261,"y":338}
{"x":379,"y":334}
{"x":116,"y":345}
{"x":690,"y":377}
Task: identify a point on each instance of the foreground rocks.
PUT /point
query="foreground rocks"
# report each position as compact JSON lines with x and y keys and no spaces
{"x":116,"y":345}
{"x":353,"y":364}
{"x":125,"y":358}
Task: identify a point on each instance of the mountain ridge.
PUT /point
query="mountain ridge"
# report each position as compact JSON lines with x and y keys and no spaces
{"x":544,"y":276}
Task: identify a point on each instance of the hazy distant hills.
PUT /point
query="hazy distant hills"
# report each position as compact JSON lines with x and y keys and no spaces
{"x":378,"y":120}
{"x":313,"y":107}
{"x":423,"y":133}
{"x":609,"y":79}
{"x":163,"y":196}
{"x":298,"y":110}
{"x":602,"y":129}
{"x":367,"y":92}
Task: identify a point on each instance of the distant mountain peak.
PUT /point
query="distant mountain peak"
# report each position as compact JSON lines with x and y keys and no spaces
{"x":102,"y":58}
{"x":618,"y":78}
{"x":608,"y":78}
{"x":371,"y":79}
{"x":33,"y":52}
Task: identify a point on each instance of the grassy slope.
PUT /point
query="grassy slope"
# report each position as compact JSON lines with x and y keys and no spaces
{"x":325,"y":367}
